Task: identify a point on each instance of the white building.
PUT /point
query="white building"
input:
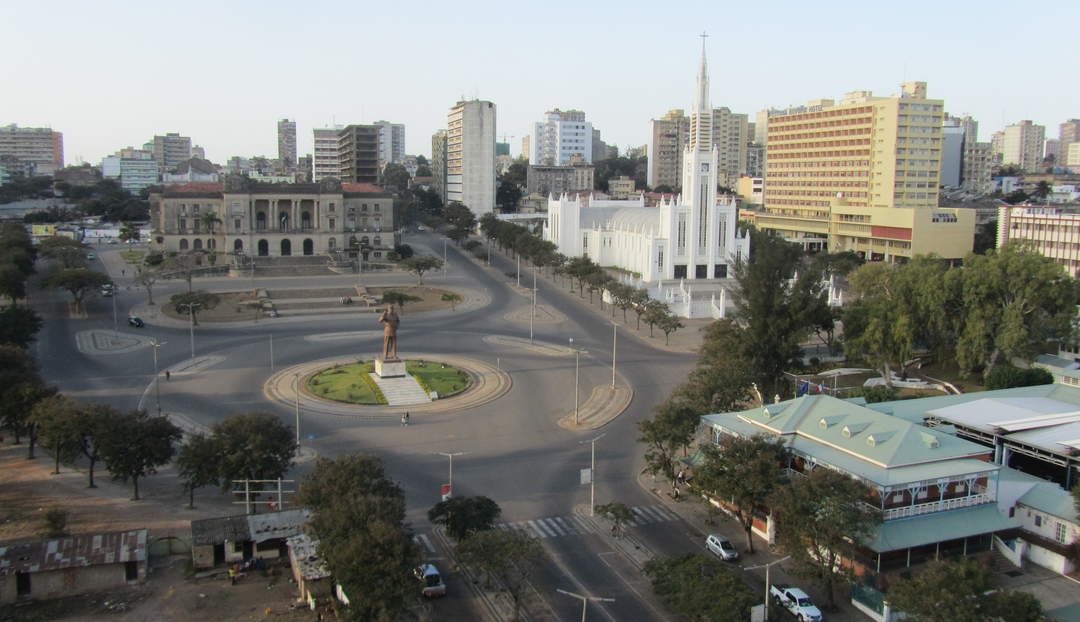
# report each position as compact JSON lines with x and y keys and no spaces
{"x":391,"y":142}
{"x":325,"y":161}
{"x":470,"y":155}
{"x":134,"y":168}
{"x":561,"y":135}
{"x":690,"y":236}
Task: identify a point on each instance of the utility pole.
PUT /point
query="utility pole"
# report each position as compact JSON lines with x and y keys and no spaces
{"x":532,"y":317}
{"x":155,"y":344}
{"x":767,"y":567}
{"x":271,"y":352}
{"x":444,"y":257}
{"x":450,"y":482}
{"x":297,"y":387}
{"x":592,"y":473}
{"x":191,"y":317}
{"x":585,"y":600}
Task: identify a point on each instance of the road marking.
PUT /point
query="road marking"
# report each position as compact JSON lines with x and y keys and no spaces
{"x":566,"y":525}
{"x":539,"y":529}
{"x":641,"y":598}
{"x":422,"y":540}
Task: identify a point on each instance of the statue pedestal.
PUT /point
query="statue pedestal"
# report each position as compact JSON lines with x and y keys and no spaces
{"x":389,"y":368}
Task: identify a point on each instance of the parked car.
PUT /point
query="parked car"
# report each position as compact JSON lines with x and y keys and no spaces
{"x":796,"y":602}
{"x":430,"y":580}
{"x":420,"y":228}
{"x":106,"y":291}
{"x":91,"y":256}
{"x":721,"y":547}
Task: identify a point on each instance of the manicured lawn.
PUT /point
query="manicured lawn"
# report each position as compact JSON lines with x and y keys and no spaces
{"x":351,"y":384}
{"x":445,"y":380}
{"x":133,"y":257}
{"x":346,"y":384}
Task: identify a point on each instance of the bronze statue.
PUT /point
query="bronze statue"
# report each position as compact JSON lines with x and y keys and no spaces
{"x":390,"y":321}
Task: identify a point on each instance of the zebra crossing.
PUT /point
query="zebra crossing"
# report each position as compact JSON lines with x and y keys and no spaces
{"x":424,"y":542}
{"x":573,"y":525}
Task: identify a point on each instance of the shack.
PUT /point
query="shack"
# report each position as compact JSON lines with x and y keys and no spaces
{"x":313,"y":581}
{"x":230,"y":539}
{"x":71,"y":565}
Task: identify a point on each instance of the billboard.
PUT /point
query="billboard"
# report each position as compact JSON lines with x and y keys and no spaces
{"x":43,"y":230}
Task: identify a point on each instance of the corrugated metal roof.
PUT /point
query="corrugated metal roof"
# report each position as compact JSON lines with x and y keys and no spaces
{"x":74,"y":551}
{"x":244,"y":527}
{"x":1052,"y":499}
{"x":303,"y":549}
{"x":901,"y":534}
{"x":1000,"y":415}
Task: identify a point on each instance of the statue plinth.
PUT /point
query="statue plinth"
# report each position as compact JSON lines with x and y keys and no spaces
{"x":389,"y":367}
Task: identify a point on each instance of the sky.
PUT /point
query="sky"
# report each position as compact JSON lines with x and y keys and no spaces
{"x":109,"y":74}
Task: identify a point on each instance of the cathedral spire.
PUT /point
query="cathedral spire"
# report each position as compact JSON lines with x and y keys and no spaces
{"x":701,"y":113}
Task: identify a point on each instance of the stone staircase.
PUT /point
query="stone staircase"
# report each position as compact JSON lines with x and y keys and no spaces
{"x":401,"y":391}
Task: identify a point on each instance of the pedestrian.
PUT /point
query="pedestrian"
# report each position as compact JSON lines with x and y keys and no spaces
{"x":167,"y":375}
{"x":405,"y":419}
{"x":123,"y":273}
{"x":232,"y":575}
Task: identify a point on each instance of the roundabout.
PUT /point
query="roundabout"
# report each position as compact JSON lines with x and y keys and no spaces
{"x":290,"y":386}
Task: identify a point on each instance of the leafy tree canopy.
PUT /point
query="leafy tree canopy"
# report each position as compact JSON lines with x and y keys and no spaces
{"x":960,"y":591}
{"x":700,"y":588}
{"x":465,"y":515}
{"x":253,"y":445}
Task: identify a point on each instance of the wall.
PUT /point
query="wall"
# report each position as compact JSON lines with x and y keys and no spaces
{"x":69,"y":581}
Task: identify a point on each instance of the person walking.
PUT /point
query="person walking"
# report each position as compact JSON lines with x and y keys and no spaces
{"x":405,"y":419}
{"x":167,"y":375}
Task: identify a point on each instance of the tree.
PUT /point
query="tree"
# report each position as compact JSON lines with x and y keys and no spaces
{"x":820,"y":520}
{"x":655,"y":312}
{"x":664,"y":189}
{"x":453,"y":299}
{"x":358,"y":516}
{"x":421,"y":264}
{"x":191,"y":303}
{"x":78,"y":282}
{"x":775,"y":307}
{"x":19,"y":325}
{"x":462,"y":516}
{"x":423,"y":170}
{"x":404,"y":251}
{"x":671,"y":429}
{"x":618,"y":513}
{"x":985,"y":237}
{"x":253,"y":445}
{"x":1012,"y":301}
{"x":67,"y":252}
{"x":55,"y":524}
{"x":700,"y":588}
{"x":1042,"y":190}
{"x":130,"y":232}
{"x":136,"y":445}
{"x":92,"y":424}
{"x":21,"y":387}
{"x":146,"y":278}
{"x":459,"y":217}
{"x":394,"y":177}
{"x":1007,"y":377}
{"x":744,"y":473}
{"x":507,"y":196}
{"x":197,"y":464}
{"x":960,"y":591}
{"x":208,"y":220}
{"x":669,"y":324}
{"x":639,"y":300}
{"x":398,"y":298}
{"x":507,"y":557}
{"x":185,"y":266}
{"x":12,"y":282}
{"x":55,"y":418}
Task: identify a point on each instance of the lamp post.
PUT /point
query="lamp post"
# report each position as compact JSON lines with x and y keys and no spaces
{"x":614,"y":343}
{"x":577,"y":376}
{"x":271,"y":352}
{"x":518,"y":255}
{"x":296,"y":377}
{"x":444,"y":257}
{"x":155,"y":344}
{"x":767,"y":567}
{"x":450,"y":478}
{"x":191,"y":317}
{"x":592,"y":473}
{"x":585,"y":600}
{"x":115,"y":324}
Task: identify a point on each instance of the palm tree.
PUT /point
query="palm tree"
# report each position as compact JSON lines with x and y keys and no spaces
{"x":209,"y":219}
{"x":453,"y":299}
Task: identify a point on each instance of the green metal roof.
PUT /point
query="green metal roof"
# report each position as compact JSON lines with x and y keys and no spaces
{"x":895,"y":535}
{"x":1052,"y":499}
{"x":914,"y":410}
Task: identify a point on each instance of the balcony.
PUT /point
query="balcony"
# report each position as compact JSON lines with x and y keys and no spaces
{"x":934,"y":506}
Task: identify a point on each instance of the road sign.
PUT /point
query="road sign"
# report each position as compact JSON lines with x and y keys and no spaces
{"x":586,"y":477}
{"x":445,"y":490}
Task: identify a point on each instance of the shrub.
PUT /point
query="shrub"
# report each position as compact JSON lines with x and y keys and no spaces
{"x":55,"y":523}
{"x":880,"y":393}
{"x":1007,"y":377}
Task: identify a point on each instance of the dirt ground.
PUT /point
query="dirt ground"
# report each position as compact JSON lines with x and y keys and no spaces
{"x":430,"y":297}
{"x":234,"y":306}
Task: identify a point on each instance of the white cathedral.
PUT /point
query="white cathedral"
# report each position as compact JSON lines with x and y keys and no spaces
{"x":690,"y":236}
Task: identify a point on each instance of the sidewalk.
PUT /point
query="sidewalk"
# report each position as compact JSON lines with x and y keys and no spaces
{"x":703,"y":522}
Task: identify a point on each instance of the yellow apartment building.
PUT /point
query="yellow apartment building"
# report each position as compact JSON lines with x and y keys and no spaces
{"x":862,"y":175}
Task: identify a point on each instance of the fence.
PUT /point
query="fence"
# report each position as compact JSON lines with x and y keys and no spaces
{"x":163,"y":546}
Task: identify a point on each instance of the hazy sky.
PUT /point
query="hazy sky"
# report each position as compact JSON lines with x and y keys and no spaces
{"x":109,"y":74}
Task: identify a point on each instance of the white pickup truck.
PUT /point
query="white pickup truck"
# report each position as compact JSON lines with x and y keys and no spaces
{"x":796,"y":602}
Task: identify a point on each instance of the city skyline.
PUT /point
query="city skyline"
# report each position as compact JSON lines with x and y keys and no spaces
{"x":228,"y":100}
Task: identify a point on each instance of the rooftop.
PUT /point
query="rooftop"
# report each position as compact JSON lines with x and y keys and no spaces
{"x":73,"y":551}
{"x":304,"y":553}
{"x":244,"y":527}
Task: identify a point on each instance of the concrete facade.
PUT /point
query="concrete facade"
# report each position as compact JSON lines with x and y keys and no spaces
{"x":170,"y":150}
{"x":470,"y":155}
{"x":559,"y":179}
{"x":324,"y":160}
{"x":136,"y":170}
{"x":391,"y":143}
{"x":438,"y":163}
{"x":41,"y":146}
{"x":1049,"y":231}
{"x":560,"y":136}
{"x":1021,"y":144}
{"x":286,"y":142}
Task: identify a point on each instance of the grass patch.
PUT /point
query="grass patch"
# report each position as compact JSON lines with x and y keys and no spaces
{"x":347,"y":383}
{"x":446,"y":380}
{"x":133,"y":257}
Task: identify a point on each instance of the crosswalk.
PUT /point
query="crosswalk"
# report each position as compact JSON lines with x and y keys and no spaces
{"x":573,"y":525}
{"x":424,"y":542}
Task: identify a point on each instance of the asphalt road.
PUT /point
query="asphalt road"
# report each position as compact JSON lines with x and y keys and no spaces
{"x":513,"y":450}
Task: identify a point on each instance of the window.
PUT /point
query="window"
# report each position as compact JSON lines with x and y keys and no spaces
{"x":1062,"y":533}
{"x":236,"y":224}
{"x":1038,"y":520}
{"x":332,"y":223}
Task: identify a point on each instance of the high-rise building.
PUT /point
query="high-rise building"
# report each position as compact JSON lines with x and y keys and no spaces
{"x":391,"y":143}
{"x":556,"y":180}
{"x":1021,"y":144}
{"x":862,"y":175}
{"x":1068,"y":133}
{"x":40,"y":147}
{"x":170,"y":150}
{"x":438,"y":163}
{"x":286,"y":142}
{"x":358,"y":154}
{"x":135,"y":169}
{"x":667,"y":136}
{"x":470,"y":155}
{"x":1052,"y":149}
{"x":562,"y":134}
{"x":526,"y":146}
{"x":952,"y":152}
{"x":325,"y":161}
{"x":731,"y":134}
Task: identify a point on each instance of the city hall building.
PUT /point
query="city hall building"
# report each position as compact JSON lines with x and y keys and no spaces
{"x":244,"y":217}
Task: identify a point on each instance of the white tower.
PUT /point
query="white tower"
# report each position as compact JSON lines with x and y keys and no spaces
{"x":699,"y":180}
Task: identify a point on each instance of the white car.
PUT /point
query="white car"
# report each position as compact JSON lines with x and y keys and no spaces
{"x":721,"y":547}
{"x":430,"y":580}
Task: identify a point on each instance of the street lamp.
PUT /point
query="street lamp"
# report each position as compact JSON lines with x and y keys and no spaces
{"x":614,"y":343}
{"x":585,"y":600}
{"x":450,"y":482}
{"x":157,"y":377}
{"x":577,"y":375}
{"x":532,"y":317}
{"x":191,"y":316}
{"x":296,"y":380}
{"x":115,"y":324}
{"x":766,"y":567}
{"x":592,"y":474}
{"x":444,"y":257}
